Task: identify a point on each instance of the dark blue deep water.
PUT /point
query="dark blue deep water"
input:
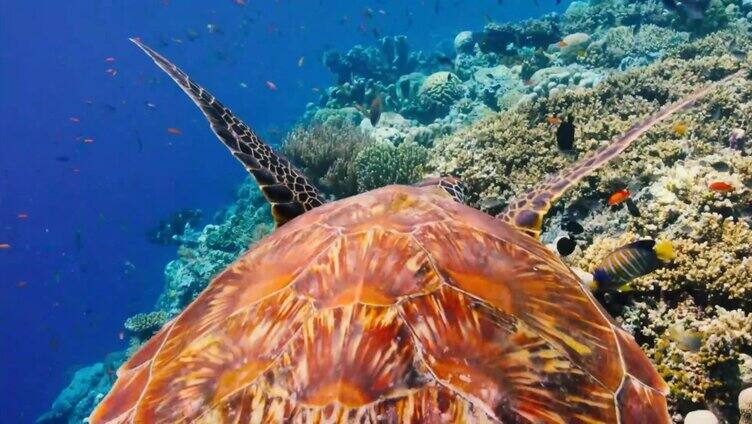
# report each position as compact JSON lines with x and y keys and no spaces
{"x":86,"y":166}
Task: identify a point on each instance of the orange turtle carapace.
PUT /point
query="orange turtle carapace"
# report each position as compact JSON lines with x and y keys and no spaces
{"x":398,"y":305}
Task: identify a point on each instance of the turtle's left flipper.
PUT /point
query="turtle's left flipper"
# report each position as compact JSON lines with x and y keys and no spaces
{"x":285,"y":187}
{"x":451,"y":185}
{"x":526,"y":212}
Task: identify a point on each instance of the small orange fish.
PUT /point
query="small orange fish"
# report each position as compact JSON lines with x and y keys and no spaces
{"x":75,"y":119}
{"x":618,"y":197}
{"x":680,"y":128}
{"x":562,"y":43}
{"x":109,"y":59}
{"x":553,"y":120}
{"x":4,"y":246}
{"x":721,"y":186}
{"x":23,"y":215}
{"x":239,"y":3}
{"x":174,"y":131}
{"x":88,"y":140}
{"x":271,"y":86}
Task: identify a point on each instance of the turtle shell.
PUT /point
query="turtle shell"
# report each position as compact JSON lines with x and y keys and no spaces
{"x":398,"y":305}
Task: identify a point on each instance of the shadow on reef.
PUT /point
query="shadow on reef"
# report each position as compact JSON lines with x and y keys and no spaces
{"x":486,"y":116}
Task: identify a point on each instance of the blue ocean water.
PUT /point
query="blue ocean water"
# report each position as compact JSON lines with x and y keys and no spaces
{"x":87,"y":164}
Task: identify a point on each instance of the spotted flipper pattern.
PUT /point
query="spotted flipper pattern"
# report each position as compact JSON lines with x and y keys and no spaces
{"x":455,"y":188}
{"x":285,"y":187}
{"x":526,"y":212}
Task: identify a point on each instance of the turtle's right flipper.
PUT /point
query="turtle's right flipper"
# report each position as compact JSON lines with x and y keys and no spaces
{"x":527,"y":211}
{"x":285,"y":187}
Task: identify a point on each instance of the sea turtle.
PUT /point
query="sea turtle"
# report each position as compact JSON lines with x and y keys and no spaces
{"x":397,"y":305}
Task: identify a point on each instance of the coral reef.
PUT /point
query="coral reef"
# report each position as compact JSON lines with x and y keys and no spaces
{"x":87,"y":387}
{"x":488,"y":116}
{"x":326,"y":154}
{"x":175,"y":226}
{"x":668,"y":171}
{"x":143,"y":326}
{"x":382,"y":163}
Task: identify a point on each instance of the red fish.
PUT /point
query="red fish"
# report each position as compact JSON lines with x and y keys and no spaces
{"x":553,"y":120}
{"x":174,"y":131}
{"x":271,"y":86}
{"x":23,"y":215}
{"x":109,"y":59}
{"x":4,"y":246}
{"x":617,"y":197}
{"x":721,"y":186}
{"x":75,"y":119}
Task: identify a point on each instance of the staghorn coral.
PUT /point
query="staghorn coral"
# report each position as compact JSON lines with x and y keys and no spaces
{"x":326,"y":154}
{"x":382,"y":163}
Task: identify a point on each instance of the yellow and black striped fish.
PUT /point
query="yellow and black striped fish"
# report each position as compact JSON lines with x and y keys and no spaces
{"x":631,"y":261}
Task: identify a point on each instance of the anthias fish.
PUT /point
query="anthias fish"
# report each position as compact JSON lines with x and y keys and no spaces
{"x":721,"y":186}
{"x":618,"y":197}
{"x":631,"y":261}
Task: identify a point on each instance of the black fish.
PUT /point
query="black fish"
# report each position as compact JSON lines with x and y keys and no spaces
{"x":565,"y":246}
{"x":573,"y":227}
{"x":565,"y":134}
{"x":78,"y":241}
{"x":62,"y":158}
{"x":632,"y":207}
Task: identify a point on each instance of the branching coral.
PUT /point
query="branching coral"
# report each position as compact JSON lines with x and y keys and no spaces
{"x":326,"y":154}
{"x":382,"y":163}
